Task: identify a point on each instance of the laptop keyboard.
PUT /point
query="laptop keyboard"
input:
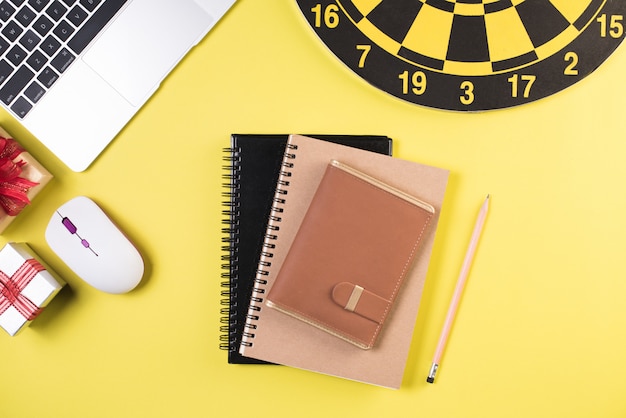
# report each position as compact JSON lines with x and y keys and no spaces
{"x":39,"y":41}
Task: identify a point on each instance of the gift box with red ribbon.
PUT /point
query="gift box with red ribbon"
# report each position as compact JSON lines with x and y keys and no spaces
{"x":26,"y":287}
{"x":21,"y":178}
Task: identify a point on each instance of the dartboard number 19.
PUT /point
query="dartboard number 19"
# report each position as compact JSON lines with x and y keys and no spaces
{"x":469,"y":55}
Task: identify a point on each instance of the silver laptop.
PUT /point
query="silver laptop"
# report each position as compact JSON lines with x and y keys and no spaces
{"x":74,"y":72}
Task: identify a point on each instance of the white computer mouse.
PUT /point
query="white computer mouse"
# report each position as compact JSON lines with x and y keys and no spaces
{"x":86,"y":239}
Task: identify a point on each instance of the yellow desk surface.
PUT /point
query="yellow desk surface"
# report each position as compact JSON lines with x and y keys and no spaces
{"x":541,"y":330}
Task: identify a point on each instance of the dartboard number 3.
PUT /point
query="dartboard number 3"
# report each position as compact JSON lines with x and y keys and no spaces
{"x":524,"y":82}
{"x":329,"y":15}
{"x":417,"y":82}
{"x":468,"y":93}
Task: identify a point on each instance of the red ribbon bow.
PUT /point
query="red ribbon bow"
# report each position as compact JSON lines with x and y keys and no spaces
{"x":13,"y":188}
{"x":11,"y":290}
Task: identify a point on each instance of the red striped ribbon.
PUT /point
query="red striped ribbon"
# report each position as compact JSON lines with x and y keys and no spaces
{"x":11,"y":289}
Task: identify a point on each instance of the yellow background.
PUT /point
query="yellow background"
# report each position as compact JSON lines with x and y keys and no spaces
{"x":541,"y":329}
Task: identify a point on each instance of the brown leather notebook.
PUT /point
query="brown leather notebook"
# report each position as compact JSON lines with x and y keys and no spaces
{"x":351,"y":254}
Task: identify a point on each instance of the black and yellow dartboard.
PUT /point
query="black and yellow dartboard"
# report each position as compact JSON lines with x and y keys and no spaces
{"x":469,"y":55}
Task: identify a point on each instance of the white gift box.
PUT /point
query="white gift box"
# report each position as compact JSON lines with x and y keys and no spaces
{"x":26,"y":287}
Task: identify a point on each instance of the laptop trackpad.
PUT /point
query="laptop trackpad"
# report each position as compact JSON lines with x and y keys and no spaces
{"x":139,"y":48}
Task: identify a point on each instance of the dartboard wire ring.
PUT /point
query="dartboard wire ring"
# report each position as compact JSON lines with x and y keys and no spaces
{"x":492,"y":88}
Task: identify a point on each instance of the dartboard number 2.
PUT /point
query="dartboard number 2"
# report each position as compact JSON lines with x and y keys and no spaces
{"x":572,"y":59}
{"x":417,"y":82}
{"x":516,"y":84}
{"x":330,"y":15}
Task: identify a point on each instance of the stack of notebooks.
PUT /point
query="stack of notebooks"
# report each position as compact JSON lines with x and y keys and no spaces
{"x":327,"y":247}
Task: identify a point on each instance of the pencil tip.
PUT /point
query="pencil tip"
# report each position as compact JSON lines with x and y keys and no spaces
{"x":432,"y":372}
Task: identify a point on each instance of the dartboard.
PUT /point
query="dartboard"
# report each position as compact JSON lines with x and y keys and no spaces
{"x":469,"y":55}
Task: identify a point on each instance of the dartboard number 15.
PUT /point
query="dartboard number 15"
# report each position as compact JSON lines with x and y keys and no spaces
{"x":518,"y":83}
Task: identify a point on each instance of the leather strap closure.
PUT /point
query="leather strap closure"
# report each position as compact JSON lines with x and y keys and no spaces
{"x":355,"y":298}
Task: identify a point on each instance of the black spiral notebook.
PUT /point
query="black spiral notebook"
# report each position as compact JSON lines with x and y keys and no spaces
{"x":254,"y":164}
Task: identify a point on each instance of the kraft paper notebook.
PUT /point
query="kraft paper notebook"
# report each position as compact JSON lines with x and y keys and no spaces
{"x":253,"y":165}
{"x":280,"y":338}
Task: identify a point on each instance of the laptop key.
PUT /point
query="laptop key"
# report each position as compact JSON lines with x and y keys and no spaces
{"x":5,"y":71}
{"x":16,"y":55}
{"x":18,"y":2}
{"x":43,"y":25}
{"x":48,"y":77}
{"x":15,"y":84}
{"x":90,"y":4}
{"x":50,"y":46}
{"x":25,"y":16}
{"x":77,"y":15}
{"x":21,"y":107}
{"x":63,"y":30}
{"x":38,"y":5}
{"x":56,"y":10}
{"x":6,"y":10}
{"x":34,"y":92}
{"x":29,"y":40}
{"x":37,"y":60}
{"x":62,"y":60}
{"x":11,"y":31}
{"x":94,"y":24}
{"x":4,"y":45}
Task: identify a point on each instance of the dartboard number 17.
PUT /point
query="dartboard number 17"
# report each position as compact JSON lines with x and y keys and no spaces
{"x":469,"y":55}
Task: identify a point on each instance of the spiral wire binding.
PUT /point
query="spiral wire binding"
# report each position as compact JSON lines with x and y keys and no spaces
{"x":271,"y":235}
{"x":229,"y":258}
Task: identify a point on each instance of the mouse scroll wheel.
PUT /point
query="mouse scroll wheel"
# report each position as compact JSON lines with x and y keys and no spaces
{"x":69,"y":225}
